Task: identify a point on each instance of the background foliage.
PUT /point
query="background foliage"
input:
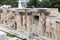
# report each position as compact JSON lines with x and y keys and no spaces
{"x":14,"y":3}
{"x":34,"y":3}
{"x":44,"y":4}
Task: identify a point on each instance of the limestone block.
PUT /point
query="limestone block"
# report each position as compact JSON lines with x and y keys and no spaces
{"x":53,"y":11}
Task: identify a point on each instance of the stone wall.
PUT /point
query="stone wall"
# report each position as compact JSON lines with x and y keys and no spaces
{"x":36,"y":21}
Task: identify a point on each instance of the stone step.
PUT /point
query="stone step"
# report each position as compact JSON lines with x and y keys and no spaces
{"x":21,"y":34}
{"x":17,"y":33}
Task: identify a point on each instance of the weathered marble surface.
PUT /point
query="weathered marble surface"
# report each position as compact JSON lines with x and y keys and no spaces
{"x":40,"y":21}
{"x":3,"y":36}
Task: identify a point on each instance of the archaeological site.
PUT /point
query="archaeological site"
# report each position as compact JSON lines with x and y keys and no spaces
{"x":31,"y":23}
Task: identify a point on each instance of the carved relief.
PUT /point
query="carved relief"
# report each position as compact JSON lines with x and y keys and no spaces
{"x":31,"y":22}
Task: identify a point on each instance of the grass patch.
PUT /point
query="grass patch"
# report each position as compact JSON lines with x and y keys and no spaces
{"x":10,"y":35}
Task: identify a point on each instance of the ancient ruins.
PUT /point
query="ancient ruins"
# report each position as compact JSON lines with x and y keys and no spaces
{"x":37,"y":21}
